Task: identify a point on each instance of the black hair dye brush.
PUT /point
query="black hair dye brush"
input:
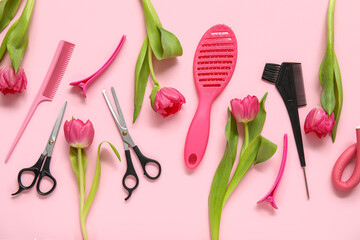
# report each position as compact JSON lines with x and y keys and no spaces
{"x":288,"y":80}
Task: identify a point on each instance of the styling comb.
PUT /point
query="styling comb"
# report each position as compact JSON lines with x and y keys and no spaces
{"x":214,"y":64}
{"x":49,"y":86}
{"x":289,"y":82}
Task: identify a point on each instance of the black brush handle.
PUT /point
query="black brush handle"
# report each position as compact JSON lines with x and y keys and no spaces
{"x":287,"y":90}
{"x":292,"y":109}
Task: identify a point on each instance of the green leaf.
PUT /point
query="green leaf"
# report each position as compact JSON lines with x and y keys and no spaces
{"x":74,"y":162}
{"x":326,"y":76}
{"x":259,"y":150}
{"x":221,"y":177}
{"x":18,"y":39}
{"x":5,"y":40}
{"x":153,"y":95}
{"x":170,"y":44}
{"x":266,"y":151}
{"x":338,"y":96}
{"x":163,"y":43}
{"x":8,"y":9}
{"x":141,"y":77}
{"x":96,"y":180}
{"x":326,"y":73}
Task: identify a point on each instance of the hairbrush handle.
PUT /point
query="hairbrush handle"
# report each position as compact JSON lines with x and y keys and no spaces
{"x":198,"y":134}
{"x":343,"y":161}
{"x":39,"y":98}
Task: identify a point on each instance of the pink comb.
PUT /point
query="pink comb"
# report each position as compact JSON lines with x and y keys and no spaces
{"x":214,"y":65}
{"x":49,"y":86}
{"x":87,"y":81}
{"x":270,"y":197}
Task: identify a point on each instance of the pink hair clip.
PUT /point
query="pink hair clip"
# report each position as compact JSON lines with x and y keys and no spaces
{"x":270,"y":197}
{"x":84,"y":84}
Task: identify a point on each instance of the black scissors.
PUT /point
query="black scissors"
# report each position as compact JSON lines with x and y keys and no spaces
{"x":127,"y":140}
{"x":46,"y":155}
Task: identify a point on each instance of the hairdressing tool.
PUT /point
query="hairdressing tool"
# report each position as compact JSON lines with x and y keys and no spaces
{"x":49,"y":86}
{"x":214,"y":64}
{"x":44,"y":157}
{"x":288,"y":80}
{"x":270,"y":197}
{"x":127,"y":140}
{"x":343,"y":161}
{"x":85,"y":83}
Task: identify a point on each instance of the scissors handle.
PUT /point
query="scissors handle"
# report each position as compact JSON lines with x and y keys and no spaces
{"x":45,"y":172}
{"x":34,"y":169}
{"x":147,"y":161}
{"x":130,"y":172}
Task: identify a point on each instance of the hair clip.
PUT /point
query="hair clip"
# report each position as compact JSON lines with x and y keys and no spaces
{"x":270,"y":197}
{"x":84,"y":84}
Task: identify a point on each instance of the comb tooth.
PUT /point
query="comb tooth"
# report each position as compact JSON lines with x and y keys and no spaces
{"x":271,"y":72}
{"x":299,"y":84}
{"x":59,"y":70}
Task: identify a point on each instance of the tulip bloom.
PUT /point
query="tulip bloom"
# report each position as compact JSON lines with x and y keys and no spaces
{"x":245,"y":110}
{"x":168,"y":101}
{"x":79,"y":134}
{"x":319,"y":122}
{"x":11,"y":82}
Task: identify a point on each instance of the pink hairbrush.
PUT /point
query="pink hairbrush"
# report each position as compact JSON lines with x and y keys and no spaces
{"x":50,"y":84}
{"x":343,"y":160}
{"x":214,"y":65}
{"x":84,"y":84}
{"x":270,"y":197}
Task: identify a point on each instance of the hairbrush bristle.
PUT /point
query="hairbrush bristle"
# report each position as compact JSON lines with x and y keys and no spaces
{"x":271,"y":72}
{"x":58,"y":70}
{"x":299,"y":84}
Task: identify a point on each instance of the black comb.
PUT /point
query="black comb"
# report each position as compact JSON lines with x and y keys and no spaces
{"x":289,"y":82}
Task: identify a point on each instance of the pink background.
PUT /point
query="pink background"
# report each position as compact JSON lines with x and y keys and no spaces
{"x":175,"y":206}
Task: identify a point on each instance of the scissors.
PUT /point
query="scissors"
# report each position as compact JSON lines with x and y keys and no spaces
{"x":45,"y":156}
{"x":343,"y":160}
{"x":127,"y":140}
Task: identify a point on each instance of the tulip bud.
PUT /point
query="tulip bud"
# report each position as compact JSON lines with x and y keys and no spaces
{"x":79,"y":134}
{"x":11,"y":82}
{"x":245,"y":110}
{"x":167,"y":101}
{"x":319,"y":122}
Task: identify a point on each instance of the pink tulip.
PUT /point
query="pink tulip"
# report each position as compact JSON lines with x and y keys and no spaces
{"x":245,"y":110}
{"x":11,"y":82}
{"x":168,"y":101}
{"x":319,"y":122}
{"x":79,"y":134}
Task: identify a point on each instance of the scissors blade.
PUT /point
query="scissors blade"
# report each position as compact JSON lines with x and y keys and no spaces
{"x":113,"y":112}
{"x":121,"y":116}
{"x":55,"y":131}
{"x":120,"y":125}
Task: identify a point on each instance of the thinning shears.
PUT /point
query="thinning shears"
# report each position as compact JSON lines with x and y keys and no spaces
{"x":127,"y":140}
{"x":44,"y":157}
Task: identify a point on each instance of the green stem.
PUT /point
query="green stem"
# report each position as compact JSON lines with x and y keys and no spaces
{"x":151,"y":67}
{"x":330,"y":25}
{"x":82,"y":194}
{"x":246,"y":138}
